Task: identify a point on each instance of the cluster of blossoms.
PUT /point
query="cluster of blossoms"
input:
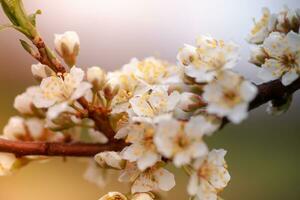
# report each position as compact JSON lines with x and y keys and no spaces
{"x":277,"y":45}
{"x":162,"y":112}
{"x":159,"y":113}
{"x":276,"y":50}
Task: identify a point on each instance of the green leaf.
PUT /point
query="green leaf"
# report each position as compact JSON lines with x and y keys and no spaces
{"x":32,"y":17}
{"x":7,"y":8}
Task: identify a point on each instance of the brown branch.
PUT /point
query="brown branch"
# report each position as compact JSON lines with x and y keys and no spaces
{"x":266,"y":92}
{"x":21,"y":148}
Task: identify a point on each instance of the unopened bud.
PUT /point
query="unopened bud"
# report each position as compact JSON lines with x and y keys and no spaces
{"x":110,"y":159}
{"x":41,"y":71}
{"x":67,"y":46}
{"x":96,"y":76}
{"x":114,"y":196}
{"x":111,"y":90}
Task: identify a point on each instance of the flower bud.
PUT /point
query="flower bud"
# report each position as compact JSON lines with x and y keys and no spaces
{"x":96,"y":76}
{"x":113,"y":196}
{"x":67,"y":46}
{"x":111,"y":90}
{"x":110,"y":159}
{"x":143,"y":196}
{"x":41,"y":71}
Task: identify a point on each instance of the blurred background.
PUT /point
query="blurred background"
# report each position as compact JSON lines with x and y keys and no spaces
{"x":263,"y":152}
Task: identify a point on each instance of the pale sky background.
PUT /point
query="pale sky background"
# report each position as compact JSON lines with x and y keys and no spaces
{"x":113,"y":31}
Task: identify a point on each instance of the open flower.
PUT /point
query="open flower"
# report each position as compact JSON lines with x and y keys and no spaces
{"x":208,"y":58}
{"x":283,"y":57}
{"x":155,"y":101}
{"x":152,"y":179}
{"x":183,"y":141}
{"x":263,"y":27}
{"x":229,"y":96}
{"x":152,"y":71}
{"x":210,"y":176}
{"x":142,"y":148}
{"x":56,"y":89}
{"x":119,"y":89}
{"x":67,"y":46}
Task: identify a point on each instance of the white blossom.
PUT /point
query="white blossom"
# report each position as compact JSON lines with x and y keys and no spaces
{"x":67,"y":46}
{"x":208,"y":58}
{"x":152,"y":179}
{"x":284,"y":57}
{"x":35,"y":127}
{"x":96,"y":76}
{"x":183,"y":141}
{"x":155,"y":101}
{"x":229,"y":96}
{"x":152,"y":71}
{"x":56,"y":89}
{"x":288,"y":20}
{"x":97,"y":136}
{"x":142,"y":148}
{"x":211,"y":176}
{"x":110,"y":159}
{"x":263,"y":27}
{"x":24,"y":102}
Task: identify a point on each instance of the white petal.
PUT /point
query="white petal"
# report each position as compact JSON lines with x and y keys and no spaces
{"x":133,"y":152}
{"x":97,"y":136}
{"x":57,"y":109}
{"x":192,"y":186}
{"x":147,"y":160}
{"x":35,"y":127}
{"x":219,"y":178}
{"x":294,"y":41}
{"x":166,"y":180}
{"x":275,"y":44}
{"x":182,"y":158}
{"x":144,"y":183}
{"x":239,"y":113}
{"x":248,"y":91}
{"x":289,"y":78}
{"x":81,"y":90}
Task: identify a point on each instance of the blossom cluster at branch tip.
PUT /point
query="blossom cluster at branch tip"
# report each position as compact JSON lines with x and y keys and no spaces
{"x":277,"y":51}
{"x":276,"y":47}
